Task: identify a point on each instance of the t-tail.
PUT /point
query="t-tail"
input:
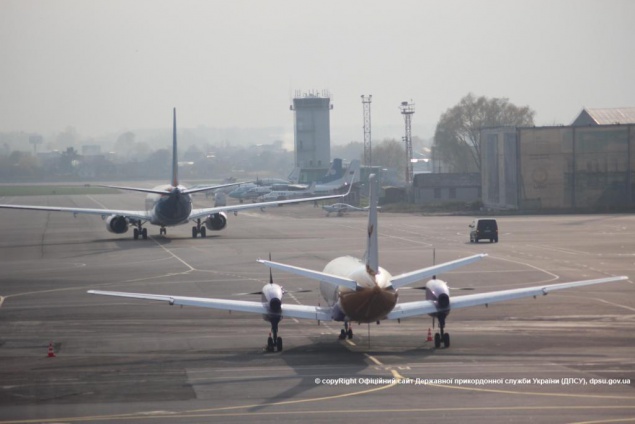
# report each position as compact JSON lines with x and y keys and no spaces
{"x":372,"y":248}
{"x":175,"y":157}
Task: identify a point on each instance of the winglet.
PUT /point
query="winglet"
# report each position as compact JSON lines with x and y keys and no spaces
{"x":175,"y":158}
{"x":372,"y":248}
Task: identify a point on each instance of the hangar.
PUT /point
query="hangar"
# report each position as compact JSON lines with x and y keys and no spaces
{"x":587,"y":166}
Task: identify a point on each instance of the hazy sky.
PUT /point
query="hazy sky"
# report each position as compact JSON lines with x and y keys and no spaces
{"x":103,"y":66}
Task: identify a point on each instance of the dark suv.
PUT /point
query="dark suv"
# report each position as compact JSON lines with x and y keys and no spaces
{"x":484,"y":228}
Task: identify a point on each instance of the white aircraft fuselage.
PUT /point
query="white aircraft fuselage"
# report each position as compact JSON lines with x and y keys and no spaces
{"x":372,"y":301}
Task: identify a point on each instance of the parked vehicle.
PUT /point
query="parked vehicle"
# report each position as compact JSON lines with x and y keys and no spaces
{"x":484,"y":228}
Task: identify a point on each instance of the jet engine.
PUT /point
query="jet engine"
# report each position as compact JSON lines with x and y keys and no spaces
{"x":117,"y":224}
{"x":216,"y":222}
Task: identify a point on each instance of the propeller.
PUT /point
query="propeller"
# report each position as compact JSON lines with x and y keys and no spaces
{"x":271,"y":282}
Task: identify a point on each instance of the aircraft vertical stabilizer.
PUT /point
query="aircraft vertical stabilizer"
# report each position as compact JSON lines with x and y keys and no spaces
{"x":372,"y":248}
{"x":175,"y":157}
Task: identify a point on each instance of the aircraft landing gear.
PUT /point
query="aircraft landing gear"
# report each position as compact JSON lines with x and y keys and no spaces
{"x":346,"y":332}
{"x":199,"y":229}
{"x":163,"y":231}
{"x":140,"y":231}
{"x":274,"y":342}
{"x":442,"y":337}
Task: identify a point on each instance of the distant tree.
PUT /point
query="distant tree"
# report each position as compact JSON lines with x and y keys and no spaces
{"x":457,"y":139}
{"x":69,"y":161}
{"x":159,"y":164}
{"x":124,"y":144}
{"x":68,"y":138}
{"x":350,"y":151}
{"x":390,"y":154}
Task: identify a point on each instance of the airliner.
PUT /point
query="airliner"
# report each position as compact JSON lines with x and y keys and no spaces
{"x":341,"y":208}
{"x":168,"y":205}
{"x":359,"y":290}
{"x":348,"y":176}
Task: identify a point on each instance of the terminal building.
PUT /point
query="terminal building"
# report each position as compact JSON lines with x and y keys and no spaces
{"x":588,"y":165}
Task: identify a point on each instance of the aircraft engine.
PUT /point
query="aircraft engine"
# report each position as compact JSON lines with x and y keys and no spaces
{"x":117,"y":224}
{"x":216,"y":222}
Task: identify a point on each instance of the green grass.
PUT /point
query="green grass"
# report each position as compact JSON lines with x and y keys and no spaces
{"x":48,"y":190}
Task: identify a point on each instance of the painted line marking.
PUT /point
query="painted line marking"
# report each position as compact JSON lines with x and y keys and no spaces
{"x":375,"y":360}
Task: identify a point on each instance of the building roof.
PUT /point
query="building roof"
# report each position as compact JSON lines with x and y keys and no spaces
{"x":622,"y":115}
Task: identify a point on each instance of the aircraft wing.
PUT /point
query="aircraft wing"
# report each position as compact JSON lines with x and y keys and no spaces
{"x":292,"y":311}
{"x":199,"y":213}
{"x":142,"y":215}
{"x":418,"y":275}
{"x":410,"y":309}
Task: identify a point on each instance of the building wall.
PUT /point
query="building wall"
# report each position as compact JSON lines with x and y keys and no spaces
{"x":312,"y":132}
{"x":438,"y":188}
{"x":585,"y":168}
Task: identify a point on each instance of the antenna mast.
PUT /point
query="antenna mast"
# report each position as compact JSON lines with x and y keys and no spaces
{"x":407,"y":110}
{"x":368,"y":155}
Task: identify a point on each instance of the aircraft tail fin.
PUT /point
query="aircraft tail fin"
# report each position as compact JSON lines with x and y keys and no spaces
{"x":372,"y":247}
{"x":352,"y":172}
{"x":175,"y":157}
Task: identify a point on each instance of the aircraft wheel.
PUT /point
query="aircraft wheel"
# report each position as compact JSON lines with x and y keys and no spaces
{"x":144,"y":233}
{"x":437,"y":340}
{"x":349,"y":333}
{"x":203,"y":232}
{"x":270,"y":344}
{"x":446,"y":340}
{"x":279,"y":344}
{"x":135,"y":234}
{"x":194,"y":232}
{"x":342,"y":334}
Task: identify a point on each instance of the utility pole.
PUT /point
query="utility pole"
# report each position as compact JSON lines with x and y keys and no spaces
{"x":407,"y":110}
{"x":368,"y":148}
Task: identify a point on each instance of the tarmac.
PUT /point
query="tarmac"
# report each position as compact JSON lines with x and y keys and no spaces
{"x":563,"y":358}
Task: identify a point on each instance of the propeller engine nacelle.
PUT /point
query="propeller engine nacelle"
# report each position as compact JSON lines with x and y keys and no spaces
{"x":216,"y":222}
{"x":117,"y":224}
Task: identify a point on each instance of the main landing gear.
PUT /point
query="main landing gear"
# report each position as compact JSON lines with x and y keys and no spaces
{"x":199,"y":229}
{"x":140,"y":231}
{"x":346,"y":332}
{"x":163,"y":231}
{"x":442,"y":337}
{"x":274,"y":342}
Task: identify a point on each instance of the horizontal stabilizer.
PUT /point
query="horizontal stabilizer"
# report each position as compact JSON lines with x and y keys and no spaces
{"x":414,"y":276}
{"x":315,"y":275}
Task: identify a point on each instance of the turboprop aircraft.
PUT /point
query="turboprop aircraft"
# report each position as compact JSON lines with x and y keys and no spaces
{"x":359,"y":290}
{"x":168,"y":205}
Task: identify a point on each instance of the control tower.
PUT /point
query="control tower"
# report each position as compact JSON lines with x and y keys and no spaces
{"x":312,"y":133}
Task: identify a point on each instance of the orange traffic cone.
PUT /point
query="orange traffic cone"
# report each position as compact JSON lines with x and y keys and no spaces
{"x":429,"y":339}
{"x":51,"y":351}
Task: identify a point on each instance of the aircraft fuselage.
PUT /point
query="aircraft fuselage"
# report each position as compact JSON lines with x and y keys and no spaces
{"x":372,"y":301}
{"x":171,"y":208}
